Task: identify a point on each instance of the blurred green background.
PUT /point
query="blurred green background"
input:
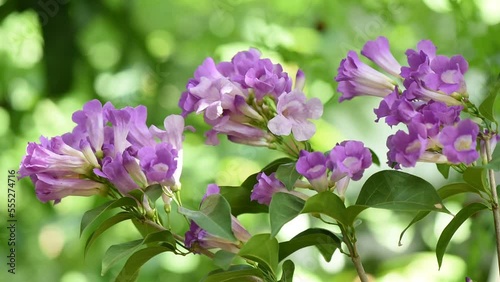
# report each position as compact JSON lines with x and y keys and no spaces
{"x":56,"y":55}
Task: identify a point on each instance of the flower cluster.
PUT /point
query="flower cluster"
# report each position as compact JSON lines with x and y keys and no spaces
{"x":347,"y":160}
{"x":250,"y":100}
{"x":429,"y":105}
{"x":109,"y":148}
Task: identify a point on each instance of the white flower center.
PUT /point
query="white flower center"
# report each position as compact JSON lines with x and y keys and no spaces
{"x":413,"y":147}
{"x":350,"y":161}
{"x":463,"y":143}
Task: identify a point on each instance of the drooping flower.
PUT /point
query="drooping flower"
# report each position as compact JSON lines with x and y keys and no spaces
{"x":313,"y":167}
{"x":459,"y":142}
{"x":266,"y":187}
{"x":378,"y":51}
{"x":415,"y":90}
{"x":406,"y":148}
{"x":395,"y":109}
{"x":50,"y":187}
{"x":293,"y":112}
{"x":358,"y":79}
{"x":349,"y":158}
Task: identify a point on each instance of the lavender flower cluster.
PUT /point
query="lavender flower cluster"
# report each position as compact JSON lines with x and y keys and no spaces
{"x":429,"y":106}
{"x":250,"y":100}
{"x":109,"y":150}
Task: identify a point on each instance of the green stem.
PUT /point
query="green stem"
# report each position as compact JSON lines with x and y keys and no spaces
{"x":494,"y":196}
{"x":350,"y":242}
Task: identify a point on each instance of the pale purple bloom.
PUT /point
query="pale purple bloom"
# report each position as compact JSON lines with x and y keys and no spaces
{"x":235,"y":131}
{"x":447,"y":75}
{"x":90,"y":120}
{"x":459,"y":142}
{"x":415,"y":90}
{"x":293,"y":114}
{"x":51,"y":188}
{"x":300,"y":80}
{"x":158,"y":163}
{"x":349,"y":158}
{"x":114,"y":170}
{"x":406,"y":148}
{"x":435,"y":115}
{"x":266,"y":187}
{"x":313,"y":167}
{"x":395,"y":109}
{"x":358,"y":79}
{"x":42,"y":158}
{"x":419,"y":60}
{"x":131,"y":165}
{"x":120,"y":120}
{"x":379,"y":52}
{"x":139,"y":134}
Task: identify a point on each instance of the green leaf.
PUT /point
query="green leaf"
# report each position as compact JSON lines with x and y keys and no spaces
{"x":288,"y":269}
{"x":283,"y":208}
{"x":117,"y":218}
{"x":375,"y":158}
{"x":444,"y":169}
{"x":494,"y":164}
{"x":214,"y":216}
{"x":476,"y":176}
{"x":452,"y":227}
{"x":263,"y":249}
{"x":327,"y":203}
{"x":153,"y":192}
{"x":487,"y":106}
{"x":92,"y":215}
{"x":238,"y":198}
{"x":326,"y":242}
{"x":143,"y":227}
{"x":287,"y":174}
{"x":223,"y":259}
{"x":236,"y":273}
{"x":130,"y":270}
{"x":443,"y":192}
{"x":396,"y":190}
{"x":352,"y":212}
{"x":118,"y":252}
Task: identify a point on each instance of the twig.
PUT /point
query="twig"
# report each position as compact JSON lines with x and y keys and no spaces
{"x":494,"y":196}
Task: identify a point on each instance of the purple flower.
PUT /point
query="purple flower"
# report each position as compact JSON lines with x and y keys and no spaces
{"x":53,"y":188}
{"x":313,"y":167}
{"x":349,"y":158}
{"x":406,"y":148}
{"x":266,"y":187}
{"x":459,"y":142}
{"x":159,"y":163}
{"x":447,"y":75}
{"x":236,"y":131}
{"x":419,"y":60}
{"x":90,"y":120}
{"x":114,"y":170}
{"x":378,"y":51}
{"x":293,"y":114}
{"x":53,"y":157}
{"x":395,"y":108}
{"x":415,"y":90}
{"x":358,"y":79}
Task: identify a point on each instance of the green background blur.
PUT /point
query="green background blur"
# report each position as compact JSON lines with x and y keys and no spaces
{"x":56,"y":55}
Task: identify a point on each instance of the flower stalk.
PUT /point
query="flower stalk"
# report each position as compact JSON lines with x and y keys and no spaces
{"x":494,"y":199}
{"x":350,"y":242}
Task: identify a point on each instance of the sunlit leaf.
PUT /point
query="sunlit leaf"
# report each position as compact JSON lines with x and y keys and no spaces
{"x":283,"y":208}
{"x":118,"y":252}
{"x":396,"y":190}
{"x":263,"y":249}
{"x":223,"y":259}
{"x":288,"y":269}
{"x":444,"y":169}
{"x":326,"y":242}
{"x":287,"y":174}
{"x":452,"y":227}
{"x":214,"y":216}
{"x":92,"y":215}
{"x":236,"y":273}
{"x":476,"y":176}
{"x":443,"y":192}
{"x":329,"y":204}
{"x":487,"y":106}
{"x":130,"y":270}
{"x":105,"y":225}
